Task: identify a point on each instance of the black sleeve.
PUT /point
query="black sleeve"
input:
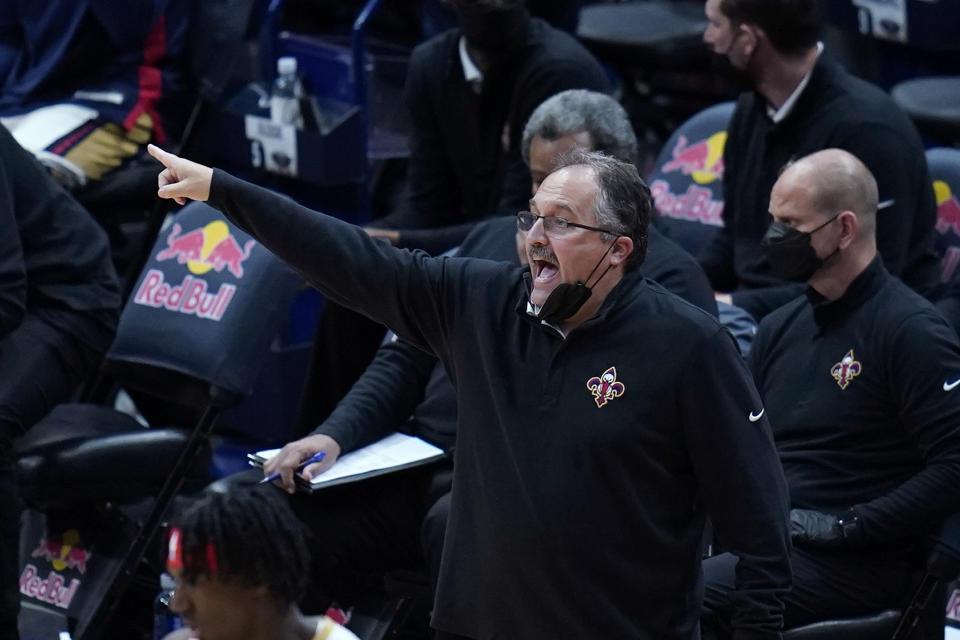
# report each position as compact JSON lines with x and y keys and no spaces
{"x":733,"y":455}
{"x":13,"y":274}
{"x":416,"y":296}
{"x":434,"y":241}
{"x":762,"y":300}
{"x":924,"y":360}
{"x":382,"y":398}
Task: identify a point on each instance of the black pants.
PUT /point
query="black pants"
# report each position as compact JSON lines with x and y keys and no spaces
{"x":40,"y":366}
{"x":826,"y":585}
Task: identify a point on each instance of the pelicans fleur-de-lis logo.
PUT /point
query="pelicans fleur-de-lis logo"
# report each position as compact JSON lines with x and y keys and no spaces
{"x":846,"y":370}
{"x":605,"y":387}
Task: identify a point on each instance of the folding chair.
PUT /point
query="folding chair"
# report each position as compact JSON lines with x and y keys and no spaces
{"x":98,"y":481}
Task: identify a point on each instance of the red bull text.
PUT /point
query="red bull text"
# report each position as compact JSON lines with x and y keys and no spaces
{"x":64,"y":553}
{"x":697,"y":204}
{"x":209,"y":247}
{"x":189,"y":297}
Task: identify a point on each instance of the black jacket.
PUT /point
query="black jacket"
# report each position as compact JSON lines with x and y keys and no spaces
{"x":860,"y":394}
{"x":465,"y":159}
{"x":838,"y":110}
{"x":53,"y":255}
{"x":404,"y":387}
{"x":585,"y":465}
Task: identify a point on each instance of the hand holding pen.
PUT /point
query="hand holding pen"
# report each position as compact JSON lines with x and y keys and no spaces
{"x":317,"y":457}
{"x":297,"y":457}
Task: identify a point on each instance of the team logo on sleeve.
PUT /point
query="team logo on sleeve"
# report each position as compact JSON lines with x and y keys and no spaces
{"x":606,"y":387}
{"x":846,"y":370}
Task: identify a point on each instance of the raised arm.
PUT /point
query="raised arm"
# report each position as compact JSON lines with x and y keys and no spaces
{"x":411,"y":293}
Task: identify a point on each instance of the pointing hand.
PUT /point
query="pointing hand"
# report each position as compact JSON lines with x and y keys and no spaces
{"x":181,"y":179}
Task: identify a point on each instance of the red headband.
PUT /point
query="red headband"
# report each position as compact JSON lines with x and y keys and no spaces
{"x":175,"y":554}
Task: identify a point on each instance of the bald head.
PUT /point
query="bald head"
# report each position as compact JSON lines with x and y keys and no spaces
{"x":833,"y":181}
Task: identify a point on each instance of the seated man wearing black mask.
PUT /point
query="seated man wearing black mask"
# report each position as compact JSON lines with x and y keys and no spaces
{"x":858,"y":381}
{"x":799,"y":101}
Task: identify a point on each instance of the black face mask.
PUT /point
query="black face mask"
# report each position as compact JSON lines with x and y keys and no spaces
{"x":493,"y":31}
{"x":789,"y":252}
{"x":566,"y":299}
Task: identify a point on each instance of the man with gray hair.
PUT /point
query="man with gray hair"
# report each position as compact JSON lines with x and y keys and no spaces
{"x":858,"y":381}
{"x":600,"y":417}
{"x":581,"y":119}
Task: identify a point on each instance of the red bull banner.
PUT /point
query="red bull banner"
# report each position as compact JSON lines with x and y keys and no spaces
{"x":62,"y":554}
{"x":211,"y":247}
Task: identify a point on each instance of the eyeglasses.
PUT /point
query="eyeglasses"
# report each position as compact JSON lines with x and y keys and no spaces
{"x":554,"y":225}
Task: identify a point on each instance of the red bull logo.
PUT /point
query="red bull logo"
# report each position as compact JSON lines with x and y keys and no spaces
{"x":210,"y":247}
{"x":51,"y":589}
{"x":948,"y":208}
{"x":953,"y":606}
{"x":697,"y":204}
{"x":702,"y":161}
{"x":189,"y":297}
{"x":64,"y":552}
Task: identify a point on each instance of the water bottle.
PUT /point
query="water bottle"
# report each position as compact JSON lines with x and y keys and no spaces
{"x":165,"y":620}
{"x":287,"y":93}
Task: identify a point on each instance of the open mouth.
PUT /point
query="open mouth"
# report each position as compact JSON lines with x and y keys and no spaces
{"x":544,"y":271}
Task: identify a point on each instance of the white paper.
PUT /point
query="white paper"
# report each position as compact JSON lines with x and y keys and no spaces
{"x":396,"y":451}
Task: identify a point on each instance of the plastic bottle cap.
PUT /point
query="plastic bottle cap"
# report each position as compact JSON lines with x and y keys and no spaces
{"x":286,"y":65}
{"x":167,"y":583}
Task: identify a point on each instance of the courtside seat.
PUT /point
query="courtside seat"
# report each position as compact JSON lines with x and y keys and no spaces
{"x":687,"y":182}
{"x":189,"y":344}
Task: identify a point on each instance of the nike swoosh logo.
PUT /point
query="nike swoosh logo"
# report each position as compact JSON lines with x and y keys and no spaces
{"x":756,"y":416}
{"x":948,"y":386}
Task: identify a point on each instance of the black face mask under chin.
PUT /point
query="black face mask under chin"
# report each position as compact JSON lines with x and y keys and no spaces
{"x":566,"y":299}
{"x":790,"y":254}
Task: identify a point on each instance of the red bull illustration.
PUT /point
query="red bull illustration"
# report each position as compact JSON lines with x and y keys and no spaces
{"x":209,"y":247}
{"x":702,"y":161}
{"x":948,"y":220}
{"x":65,"y":553}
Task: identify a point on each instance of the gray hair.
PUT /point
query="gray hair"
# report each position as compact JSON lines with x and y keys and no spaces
{"x":623,"y":202}
{"x":579,"y":110}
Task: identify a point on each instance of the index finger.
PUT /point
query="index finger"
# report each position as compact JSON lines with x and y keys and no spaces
{"x":163,"y":157}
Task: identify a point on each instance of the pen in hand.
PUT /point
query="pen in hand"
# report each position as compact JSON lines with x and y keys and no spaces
{"x":317,"y":457}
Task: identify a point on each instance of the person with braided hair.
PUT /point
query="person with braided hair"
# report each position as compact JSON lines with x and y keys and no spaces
{"x":240,"y":560}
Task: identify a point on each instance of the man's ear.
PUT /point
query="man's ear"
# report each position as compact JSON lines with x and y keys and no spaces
{"x":750,"y":36}
{"x":850,"y":226}
{"x":622,"y":248}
